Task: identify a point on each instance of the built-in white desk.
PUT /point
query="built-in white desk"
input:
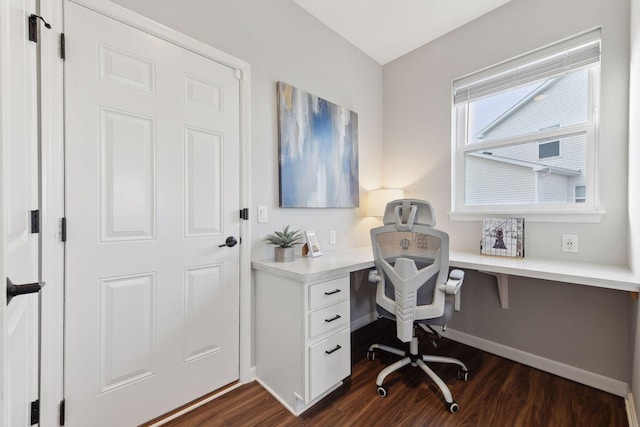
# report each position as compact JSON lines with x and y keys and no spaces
{"x":303,"y":332}
{"x":580,"y":273}
{"x":302,"y":313}
{"x":340,"y":262}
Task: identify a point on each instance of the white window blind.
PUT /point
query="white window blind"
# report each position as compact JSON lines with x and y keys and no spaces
{"x":556,"y":59}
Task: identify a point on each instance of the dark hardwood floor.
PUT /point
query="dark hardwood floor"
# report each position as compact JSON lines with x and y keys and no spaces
{"x":499,"y":393}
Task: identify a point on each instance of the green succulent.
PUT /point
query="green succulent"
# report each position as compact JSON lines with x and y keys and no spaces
{"x":284,"y":238}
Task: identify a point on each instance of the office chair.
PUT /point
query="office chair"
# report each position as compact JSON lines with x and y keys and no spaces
{"x":414,"y":286}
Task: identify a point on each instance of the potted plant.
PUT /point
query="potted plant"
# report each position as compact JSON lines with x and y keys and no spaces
{"x":284,"y":241}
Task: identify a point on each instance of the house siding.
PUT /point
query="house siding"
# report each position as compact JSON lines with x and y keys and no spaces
{"x":545,"y":111}
{"x":530,"y":118}
{"x":506,"y":184}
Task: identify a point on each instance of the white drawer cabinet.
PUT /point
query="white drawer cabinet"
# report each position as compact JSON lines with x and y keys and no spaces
{"x":303,"y":339}
{"x":328,"y":292}
{"x":329,"y":362}
{"x":329,"y":319}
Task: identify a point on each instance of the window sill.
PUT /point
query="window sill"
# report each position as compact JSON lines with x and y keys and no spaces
{"x":594,"y":216}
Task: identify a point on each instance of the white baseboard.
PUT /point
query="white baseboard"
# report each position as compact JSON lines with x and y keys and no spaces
{"x":632,"y":415}
{"x":195,"y":406}
{"x":610,"y":385}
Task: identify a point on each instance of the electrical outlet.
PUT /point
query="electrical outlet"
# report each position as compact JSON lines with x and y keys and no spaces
{"x":332,"y":237}
{"x":570,"y":243}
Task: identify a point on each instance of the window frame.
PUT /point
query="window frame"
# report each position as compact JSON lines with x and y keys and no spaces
{"x":555,"y":156}
{"x":589,"y":210}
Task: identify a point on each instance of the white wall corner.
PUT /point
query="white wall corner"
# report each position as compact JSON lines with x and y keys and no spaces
{"x":252,"y":374}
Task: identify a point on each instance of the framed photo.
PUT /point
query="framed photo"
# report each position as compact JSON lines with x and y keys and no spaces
{"x":503,"y":237}
{"x":312,"y":244}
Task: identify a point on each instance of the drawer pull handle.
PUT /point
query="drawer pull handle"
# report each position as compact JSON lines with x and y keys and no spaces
{"x":332,"y":292}
{"x":332,"y":350}
{"x":337,"y":316}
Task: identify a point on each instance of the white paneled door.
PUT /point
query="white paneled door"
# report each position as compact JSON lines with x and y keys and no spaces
{"x":19,"y":180}
{"x":152,"y":195}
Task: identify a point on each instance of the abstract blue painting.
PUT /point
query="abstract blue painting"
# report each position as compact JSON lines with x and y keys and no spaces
{"x":318,"y":149}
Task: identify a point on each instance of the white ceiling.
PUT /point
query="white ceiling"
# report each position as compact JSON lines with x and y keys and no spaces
{"x":388,"y":29}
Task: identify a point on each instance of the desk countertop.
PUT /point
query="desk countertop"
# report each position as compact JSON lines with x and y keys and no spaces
{"x":330,"y":264}
{"x":581,"y":273}
{"x":344,"y":261}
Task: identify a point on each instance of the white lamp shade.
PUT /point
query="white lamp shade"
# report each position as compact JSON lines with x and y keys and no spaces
{"x":379,"y":198}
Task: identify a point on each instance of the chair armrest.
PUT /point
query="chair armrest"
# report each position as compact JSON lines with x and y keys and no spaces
{"x":453,"y":285}
{"x":374,"y":277}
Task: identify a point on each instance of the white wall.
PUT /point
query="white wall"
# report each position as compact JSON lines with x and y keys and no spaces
{"x":417,"y":103}
{"x":283,"y":42}
{"x":634,"y":188}
{"x":585,"y":327}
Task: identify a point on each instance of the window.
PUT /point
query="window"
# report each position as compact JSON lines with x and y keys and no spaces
{"x":580,"y":194}
{"x":525,"y":132}
{"x":548,"y":149}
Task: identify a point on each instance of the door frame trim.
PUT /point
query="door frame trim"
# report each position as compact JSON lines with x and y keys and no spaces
{"x":52,"y":381}
{"x":52,"y":210}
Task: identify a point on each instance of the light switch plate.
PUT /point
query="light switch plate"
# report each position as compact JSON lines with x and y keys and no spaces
{"x":262,"y":214}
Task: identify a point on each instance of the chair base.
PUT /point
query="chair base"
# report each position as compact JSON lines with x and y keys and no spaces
{"x":418,"y":360}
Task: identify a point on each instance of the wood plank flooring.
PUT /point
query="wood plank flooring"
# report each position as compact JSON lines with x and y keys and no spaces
{"x":499,"y":393}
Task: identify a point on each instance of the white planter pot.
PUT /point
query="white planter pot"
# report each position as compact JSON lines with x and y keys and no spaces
{"x":284,"y":254}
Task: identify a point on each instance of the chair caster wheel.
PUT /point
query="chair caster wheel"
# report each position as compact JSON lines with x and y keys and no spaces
{"x":382,"y":391}
{"x":371,"y":355}
{"x":452,"y":407}
{"x":463,"y":375}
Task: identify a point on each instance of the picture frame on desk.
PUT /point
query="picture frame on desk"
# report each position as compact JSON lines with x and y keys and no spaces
{"x":312,"y":244}
{"x":503,"y":237}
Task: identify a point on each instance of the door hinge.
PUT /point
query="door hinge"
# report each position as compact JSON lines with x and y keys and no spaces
{"x":63,"y":52}
{"x":63,"y":230}
{"x":62,"y":409}
{"x":33,"y":27}
{"x":35,"y":221}
{"x":244,"y":214}
{"x":35,"y":412}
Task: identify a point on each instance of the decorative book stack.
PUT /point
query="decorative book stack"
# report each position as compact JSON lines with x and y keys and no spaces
{"x":503,"y":237}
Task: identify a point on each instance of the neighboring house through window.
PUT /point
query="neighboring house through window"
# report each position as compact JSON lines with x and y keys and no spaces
{"x":525,"y":131}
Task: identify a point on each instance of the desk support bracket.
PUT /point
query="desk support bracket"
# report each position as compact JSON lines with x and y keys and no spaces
{"x":502,"y":281}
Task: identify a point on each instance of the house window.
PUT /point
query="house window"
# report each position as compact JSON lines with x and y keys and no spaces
{"x":548,"y":149}
{"x":512,"y":120}
{"x":580,"y":194}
